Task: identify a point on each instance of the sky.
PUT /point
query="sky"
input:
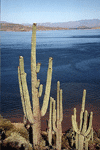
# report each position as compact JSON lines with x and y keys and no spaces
{"x":42,"y":11}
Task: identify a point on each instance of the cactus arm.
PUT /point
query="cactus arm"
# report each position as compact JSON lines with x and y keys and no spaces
{"x":54,"y":116}
{"x":83,"y":100}
{"x":21,"y":93}
{"x":90,"y":124}
{"x":87,"y":138}
{"x":48,"y":87}
{"x":50,"y":124}
{"x":75,"y":113}
{"x":40,"y":90}
{"x":50,"y":113}
{"x":85,"y":122}
{"x":74,"y":124}
{"x":38,"y":67}
{"x":72,"y":140}
{"x":61,"y":108}
{"x":38,"y":83}
{"x":58,"y":88}
{"x":92,"y":133}
{"x":81,"y":119}
{"x":83,"y":108}
{"x":25,"y":90}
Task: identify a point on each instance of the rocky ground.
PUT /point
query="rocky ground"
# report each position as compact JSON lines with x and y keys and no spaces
{"x":18,"y":137}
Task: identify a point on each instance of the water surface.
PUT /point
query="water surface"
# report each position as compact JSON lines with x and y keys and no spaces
{"x":76,"y":64}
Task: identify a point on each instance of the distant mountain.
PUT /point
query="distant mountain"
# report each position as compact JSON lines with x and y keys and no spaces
{"x":26,"y":24}
{"x":73,"y":24}
{"x":19,"y":27}
{"x":3,"y":22}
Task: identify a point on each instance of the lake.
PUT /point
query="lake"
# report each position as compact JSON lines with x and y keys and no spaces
{"x":76,"y":64}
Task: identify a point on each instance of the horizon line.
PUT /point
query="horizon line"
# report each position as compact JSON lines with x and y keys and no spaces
{"x":50,"y":22}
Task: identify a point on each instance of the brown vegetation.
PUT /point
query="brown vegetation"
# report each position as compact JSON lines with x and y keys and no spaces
{"x":21,"y":28}
{"x":16,"y":137}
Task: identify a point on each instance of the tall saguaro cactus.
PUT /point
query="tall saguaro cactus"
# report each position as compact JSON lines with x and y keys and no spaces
{"x":85,"y":130}
{"x":55,"y":122}
{"x":34,"y":114}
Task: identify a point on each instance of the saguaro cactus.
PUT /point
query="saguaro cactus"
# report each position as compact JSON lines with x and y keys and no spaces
{"x":34,"y":114}
{"x":56,"y":121}
{"x":85,"y":130}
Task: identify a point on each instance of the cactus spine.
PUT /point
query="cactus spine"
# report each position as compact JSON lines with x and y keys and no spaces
{"x":56,"y":121}
{"x":84,"y":132}
{"x":34,"y":114}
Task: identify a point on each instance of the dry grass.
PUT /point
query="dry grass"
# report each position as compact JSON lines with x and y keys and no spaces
{"x":17,"y":141}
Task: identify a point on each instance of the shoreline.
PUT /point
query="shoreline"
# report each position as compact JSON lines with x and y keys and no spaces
{"x":66,"y":123}
{"x":47,"y":30}
{"x":72,"y":98}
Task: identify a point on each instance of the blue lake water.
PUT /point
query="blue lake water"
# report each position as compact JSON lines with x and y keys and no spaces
{"x":76,"y":64}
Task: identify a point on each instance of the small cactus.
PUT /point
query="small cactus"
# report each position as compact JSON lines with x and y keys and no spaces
{"x":55,"y":122}
{"x":85,"y":131}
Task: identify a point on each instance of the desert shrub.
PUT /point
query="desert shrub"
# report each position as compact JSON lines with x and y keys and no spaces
{"x":44,"y":136}
{"x":5,"y":124}
{"x":17,"y":141}
{"x":65,"y":142}
{"x":8,"y":128}
{"x":54,"y":139}
{"x":98,"y":134}
{"x":23,"y":132}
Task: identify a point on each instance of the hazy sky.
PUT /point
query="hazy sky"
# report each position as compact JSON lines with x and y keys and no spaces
{"x":39,"y":11}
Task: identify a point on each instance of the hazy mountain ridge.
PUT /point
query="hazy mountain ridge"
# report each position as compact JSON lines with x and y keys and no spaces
{"x":70,"y":24}
{"x":20,"y":27}
{"x":74,"y":24}
{"x":82,"y":24}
